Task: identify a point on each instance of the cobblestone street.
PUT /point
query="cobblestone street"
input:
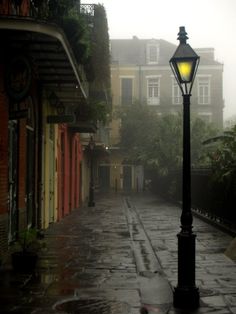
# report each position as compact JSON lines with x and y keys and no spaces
{"x":118,"y":257}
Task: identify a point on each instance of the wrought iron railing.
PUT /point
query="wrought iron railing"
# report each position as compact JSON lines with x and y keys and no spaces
{"x":210,"y":198}
{"x":87,"y":9}
{"x":40,"y":9}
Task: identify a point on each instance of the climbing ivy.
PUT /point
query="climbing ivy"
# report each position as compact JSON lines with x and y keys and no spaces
{"x":88,"y":36}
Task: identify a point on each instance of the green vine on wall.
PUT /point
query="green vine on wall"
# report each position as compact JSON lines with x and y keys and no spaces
{"x":98,"y":67}
{"x":90,"y":42}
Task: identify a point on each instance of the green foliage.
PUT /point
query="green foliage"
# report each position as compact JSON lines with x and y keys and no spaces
{"x":168,"y":143}
{"x":93,"y":111}
{"x":98,"y":111}
{"x":200,"y":131}
{"x":223,"y":155}
{"x":88,"y":36}
{"x":137,"y":131}
{"x":222,"y":184}
{"x":156,"y":141}
{"x":78,"y":36}
{"x":28,"y":240}
{"x":66,"y":14}
{"x":98,"y":65}
{"x":59,"y":8}
{"x":100,"y":55}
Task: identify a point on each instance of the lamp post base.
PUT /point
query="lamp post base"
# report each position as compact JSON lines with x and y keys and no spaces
{"x":186,"y":298}
{"x":186,"y":294}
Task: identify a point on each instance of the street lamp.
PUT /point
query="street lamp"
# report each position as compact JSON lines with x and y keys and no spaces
{"x":184,"y":64}
{"x":91,"y":146}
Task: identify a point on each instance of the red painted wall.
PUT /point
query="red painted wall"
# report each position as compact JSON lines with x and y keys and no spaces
{"x":69,"y":158}
{"x":7,"y":8}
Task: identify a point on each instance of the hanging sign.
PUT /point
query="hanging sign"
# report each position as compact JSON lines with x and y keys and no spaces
{"x":68,"y":118}
{"x":18,"y":78}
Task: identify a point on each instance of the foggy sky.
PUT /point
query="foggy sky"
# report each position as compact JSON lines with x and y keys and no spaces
{"x":209,"y":23}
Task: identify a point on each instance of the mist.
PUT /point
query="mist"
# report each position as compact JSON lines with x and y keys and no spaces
{"x":209,"y":23}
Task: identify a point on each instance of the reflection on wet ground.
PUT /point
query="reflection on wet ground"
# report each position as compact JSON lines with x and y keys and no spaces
{"x":95,"y":306}
{"x":116,"y":257}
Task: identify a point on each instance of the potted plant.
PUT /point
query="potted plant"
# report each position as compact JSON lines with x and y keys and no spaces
{"x":25,"y":250}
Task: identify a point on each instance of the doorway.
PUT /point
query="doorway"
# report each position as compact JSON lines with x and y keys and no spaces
{"x":13,"y":179}
{"x":30,"y":178}
{"x":127,"y":178}
{"x":61,"y":181}
{"x":104,"y":177}
{"x":51,"y":173}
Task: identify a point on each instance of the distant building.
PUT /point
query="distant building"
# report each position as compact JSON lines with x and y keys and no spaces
{"x":140,"y":72}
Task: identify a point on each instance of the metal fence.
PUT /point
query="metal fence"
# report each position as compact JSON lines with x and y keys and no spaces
{"x":214,"y":199}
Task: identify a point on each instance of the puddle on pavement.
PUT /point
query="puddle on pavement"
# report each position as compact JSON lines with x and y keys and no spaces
{"x":91,"y":306}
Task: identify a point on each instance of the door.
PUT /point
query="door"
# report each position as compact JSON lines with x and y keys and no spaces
{"x":12,"y":179}
{"x":62,"y":175}
{"x":126,"y":91}
{"x":76,"y":178}
{"x":80,"y":181}
{"x":51,"y":174}
{"x":30,"y":178}
{"x":127,"y":178}
{"x":104,"y":177}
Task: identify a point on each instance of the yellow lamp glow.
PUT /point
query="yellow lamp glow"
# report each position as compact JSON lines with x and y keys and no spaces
{"x":184,"y":63}
{"x":185,"y":70}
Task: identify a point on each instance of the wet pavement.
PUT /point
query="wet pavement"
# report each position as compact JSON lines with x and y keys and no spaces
{"x":120,"y":257}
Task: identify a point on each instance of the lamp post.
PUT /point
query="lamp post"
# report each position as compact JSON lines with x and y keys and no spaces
{"x":91,"y":146}
{"x":184,"y":64}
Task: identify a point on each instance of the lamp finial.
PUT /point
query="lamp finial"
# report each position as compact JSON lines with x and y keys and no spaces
{"x":182,"y":35}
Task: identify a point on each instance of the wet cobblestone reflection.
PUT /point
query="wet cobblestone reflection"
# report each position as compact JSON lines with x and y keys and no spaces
{"x":92,"y":307}
{"x":116,"y":259}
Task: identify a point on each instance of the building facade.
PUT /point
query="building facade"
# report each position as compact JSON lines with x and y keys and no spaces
{"x":44,"y":166}
{"x":140,"y":72}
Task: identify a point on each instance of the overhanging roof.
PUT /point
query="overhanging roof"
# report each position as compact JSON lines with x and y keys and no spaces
{"x":51,"y":54}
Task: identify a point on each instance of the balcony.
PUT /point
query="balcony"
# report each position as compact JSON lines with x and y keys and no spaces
{"x":34,"y":29}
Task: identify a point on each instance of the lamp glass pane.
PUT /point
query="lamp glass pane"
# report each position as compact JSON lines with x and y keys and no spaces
{"x":185,"y":70}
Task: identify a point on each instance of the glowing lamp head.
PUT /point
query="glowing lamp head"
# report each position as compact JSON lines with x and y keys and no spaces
{"x":184,"y":63}
{"x":185,"y":70}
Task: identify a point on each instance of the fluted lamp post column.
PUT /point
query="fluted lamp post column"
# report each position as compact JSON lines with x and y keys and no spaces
{"x":184,"y":64}
{"x":91,"y":146}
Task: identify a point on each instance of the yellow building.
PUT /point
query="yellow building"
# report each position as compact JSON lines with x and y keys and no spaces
{"x":140,"y":72}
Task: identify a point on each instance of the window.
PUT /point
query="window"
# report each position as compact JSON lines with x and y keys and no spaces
{"x":203,"y":90}
{"x":176,"y":93}
{"x":152,"y":53}
{"x":153,"y":91}
{"x":126,"y":91}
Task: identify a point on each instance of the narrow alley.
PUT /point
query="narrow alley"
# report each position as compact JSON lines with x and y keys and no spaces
{"x":120,"y":257}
